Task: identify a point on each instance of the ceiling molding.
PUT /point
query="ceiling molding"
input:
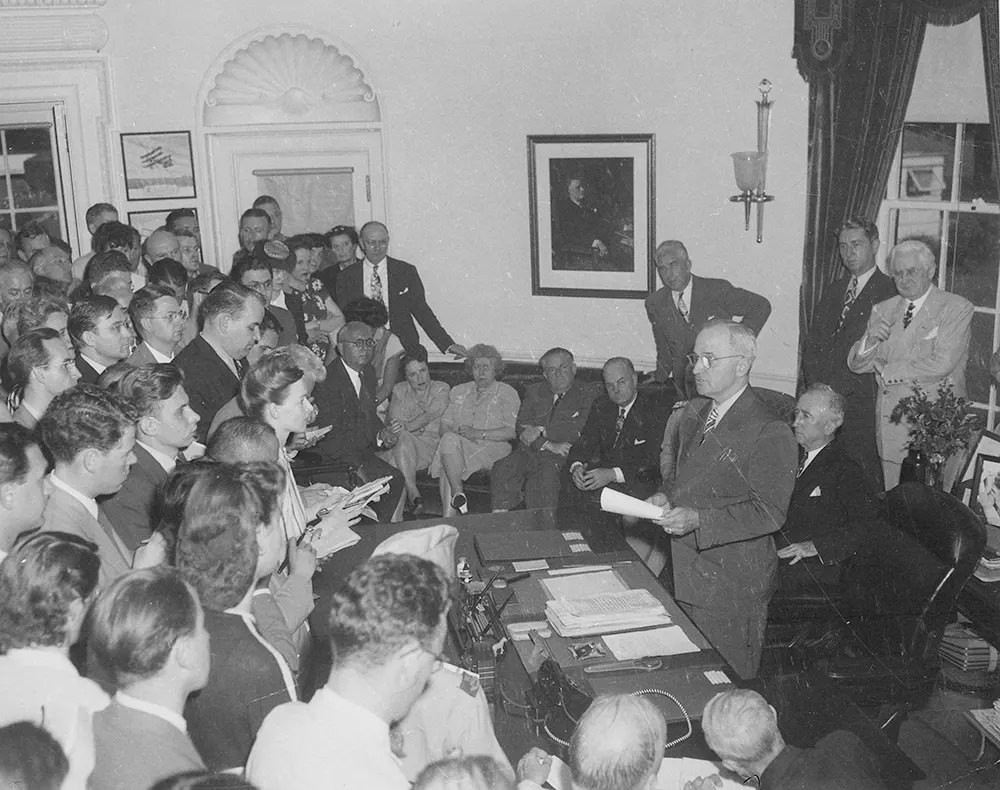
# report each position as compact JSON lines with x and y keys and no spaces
{"x":53,"y":33}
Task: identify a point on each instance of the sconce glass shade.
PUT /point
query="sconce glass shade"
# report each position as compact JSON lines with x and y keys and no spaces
{"x":749,"y":167}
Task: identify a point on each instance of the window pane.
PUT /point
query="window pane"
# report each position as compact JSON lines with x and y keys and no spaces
{"x":977,"y":372}
{"x":974,"y":257}
{"x":29,"y":159}
{"x":923,"y":224}
{"x":927,"y":161}
{"x":48,"y":219}
{"x":979,"y":171}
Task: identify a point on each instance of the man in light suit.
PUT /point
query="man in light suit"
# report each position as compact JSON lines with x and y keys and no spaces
{"x":396,"y":284}
{"x":157,"y":318}
{"x":549,"y":422}
{"x":839,"y":321}
{"x":90,"y":435}
{"x":917,"y":339}
{"x":679,"y":310}
{"x":166,"y":425}
{"x":732,"y":467}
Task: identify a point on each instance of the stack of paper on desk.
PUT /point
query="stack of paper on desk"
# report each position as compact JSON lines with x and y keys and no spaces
{"x":605,"y":613}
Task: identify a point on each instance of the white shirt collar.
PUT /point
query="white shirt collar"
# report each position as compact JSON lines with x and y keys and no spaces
{"x":158,"y":356}
{"x":279,"y":300}
{"x":726,"y":405}
{"x":811,"y":455}
{"x":88,"y":502}
{"x":354,"y":376}
{"x":918,"y":303}
{"x":152,"y":709}
{"x":95,"y":365}
{"x":162,"y":459}
{"x":862,"y":279}
{"x":628,"y":406}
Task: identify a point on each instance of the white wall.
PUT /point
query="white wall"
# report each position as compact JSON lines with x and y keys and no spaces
{"x":461,"y":85}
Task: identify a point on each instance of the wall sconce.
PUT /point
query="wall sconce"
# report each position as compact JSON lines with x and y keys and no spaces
{"x":751,"y":166}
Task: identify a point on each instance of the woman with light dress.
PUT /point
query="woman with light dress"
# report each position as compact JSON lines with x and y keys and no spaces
{"x":418,"y":404}
{"x":46,"y":584}
{"x":477,"y":427}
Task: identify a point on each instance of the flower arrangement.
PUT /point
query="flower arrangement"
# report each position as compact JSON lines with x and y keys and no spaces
{"x":938,"y":428}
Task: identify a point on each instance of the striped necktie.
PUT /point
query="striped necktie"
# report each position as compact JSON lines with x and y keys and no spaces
{"x":908,"y":315}
{"x":376,"y":284}
{"x":682,"y":307}
{"x":619,"y":424}
{"x":849,"y":297}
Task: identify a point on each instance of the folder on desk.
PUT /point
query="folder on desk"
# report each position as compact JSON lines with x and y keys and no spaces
{"x":529,"y":545}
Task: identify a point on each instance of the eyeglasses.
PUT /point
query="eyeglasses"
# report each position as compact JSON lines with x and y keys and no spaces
{"x":361,"y":342}
{"x":707,"y":360}
{"x":173,"y":315}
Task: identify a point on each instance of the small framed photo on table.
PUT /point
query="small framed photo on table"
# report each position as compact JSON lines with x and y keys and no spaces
{"x":985,"y":499}
{"x":592,"y":208}
{"x":158,"y":165}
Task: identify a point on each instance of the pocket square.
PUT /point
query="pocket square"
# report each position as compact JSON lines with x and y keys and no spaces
{"x":637,"y":442}
{"x":816,"y":492}
{"x":405,"y":290}
{"x":575,"y":414}
{"x":932,"y":334}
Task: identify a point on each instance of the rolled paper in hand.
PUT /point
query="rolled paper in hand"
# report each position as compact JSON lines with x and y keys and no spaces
{"x":616,"y":502}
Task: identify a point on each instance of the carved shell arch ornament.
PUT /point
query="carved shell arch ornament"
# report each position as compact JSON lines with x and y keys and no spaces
{"x":289,"y":78}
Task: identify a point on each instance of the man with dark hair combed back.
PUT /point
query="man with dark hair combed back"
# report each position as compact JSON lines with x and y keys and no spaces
{"x":90,"y":435}
{"x":387,"y":627}
{"x":102,"y":334}
{"x":24,"y":487}
{"x":147,"y":631}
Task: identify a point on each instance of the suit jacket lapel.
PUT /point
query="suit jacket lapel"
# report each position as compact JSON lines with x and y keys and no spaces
{"x":814,"y":474}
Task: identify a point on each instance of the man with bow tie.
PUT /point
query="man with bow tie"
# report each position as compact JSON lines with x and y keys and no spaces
{"x":838,"y":322}
{"x":679,"y":310}
{"x":916,"y":339}
{"x":831,"y":512}
{"x":729,"y":467}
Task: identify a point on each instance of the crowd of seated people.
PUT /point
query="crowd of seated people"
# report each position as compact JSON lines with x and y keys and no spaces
{"x":171,"y":401}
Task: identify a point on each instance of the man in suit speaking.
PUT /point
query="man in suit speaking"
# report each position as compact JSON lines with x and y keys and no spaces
{"x":917,"y":339}
{"x":732,"y":465}
{"x":680,"y":309}
{"x":394,"y":283}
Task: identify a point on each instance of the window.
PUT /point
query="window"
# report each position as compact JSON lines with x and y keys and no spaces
{"x":943,"y":190}
{"x":31,"y":178}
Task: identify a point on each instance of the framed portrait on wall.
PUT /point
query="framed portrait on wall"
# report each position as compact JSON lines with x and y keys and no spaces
{"x":158,"y":165}
{"x":592,"y":207}
{"x":986,"y":489}
{"x":147,"y":221}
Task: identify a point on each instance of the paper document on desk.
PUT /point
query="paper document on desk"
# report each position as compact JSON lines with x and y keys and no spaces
{"x":670,"y":641}
{"x":580,"y":585}
{"x":675,"y":771}
{"x":605,"y":613}
{"x":624,"y":505}
{"x":332,"y":539}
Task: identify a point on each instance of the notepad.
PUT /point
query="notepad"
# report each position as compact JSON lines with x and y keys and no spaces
{"x":332,"y":539}
{"x":670,"y":641}
{"x":580,"y":585}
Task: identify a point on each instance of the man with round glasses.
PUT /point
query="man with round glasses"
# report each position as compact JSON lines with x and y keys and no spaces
{"x":157,"y":318}
{"x":728,"y":465}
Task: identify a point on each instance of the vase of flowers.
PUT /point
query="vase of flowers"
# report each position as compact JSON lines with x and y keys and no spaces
{"x":939,"y":428}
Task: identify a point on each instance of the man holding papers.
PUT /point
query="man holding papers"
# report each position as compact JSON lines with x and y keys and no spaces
{"x":732,"y":465}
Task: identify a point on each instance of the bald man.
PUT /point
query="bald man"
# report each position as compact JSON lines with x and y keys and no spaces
{"x":742,"y":729}
{"x":679,"y":310}
{"x":618,"y":744}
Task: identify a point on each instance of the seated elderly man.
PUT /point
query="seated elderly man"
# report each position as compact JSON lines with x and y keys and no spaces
{"x":549,"y":422}
{"x":830,"y":512}
{"x":742,"y":729}
{"x":618,"y":744}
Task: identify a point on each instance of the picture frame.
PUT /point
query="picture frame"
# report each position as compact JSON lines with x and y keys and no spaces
{"x":592,"y":204}
{"x":985,"y":498}
{"x":147,"y":221}
{"x":988,"y":443}
{"x":158,"y":165}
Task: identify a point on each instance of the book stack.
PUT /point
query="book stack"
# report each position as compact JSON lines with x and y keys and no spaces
{"x":965,"y":649}
{"x":607,"y":613}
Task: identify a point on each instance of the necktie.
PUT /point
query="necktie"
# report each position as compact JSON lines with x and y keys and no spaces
{"x":376,"y":284}
{"x":713,"y":418}
{"x":241,"y":367}
{"x":555,"y":403}
{"x":849,"y":297}
{"x":802,"y":464}
{"x":682,"y":306}
{"x":619,"y":424}
{"x":908,"y":315}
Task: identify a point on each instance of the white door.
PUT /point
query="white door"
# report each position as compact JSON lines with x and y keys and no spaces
{"x":320,"y":179}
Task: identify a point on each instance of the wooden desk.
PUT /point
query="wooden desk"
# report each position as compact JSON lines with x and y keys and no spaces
{"x":808,"y":707}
